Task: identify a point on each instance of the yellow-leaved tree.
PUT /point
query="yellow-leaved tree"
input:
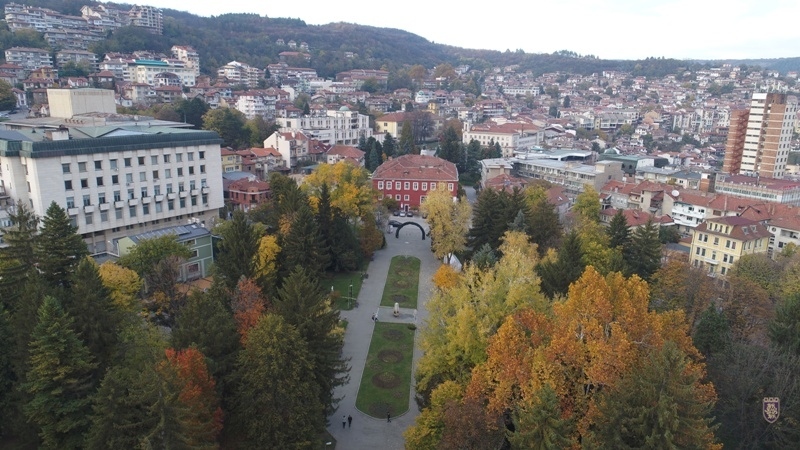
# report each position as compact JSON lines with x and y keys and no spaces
{"x":350,"y":187}
{"x":124,"y":284}
{"x":266,"y":260}
{"x":448,"y":220}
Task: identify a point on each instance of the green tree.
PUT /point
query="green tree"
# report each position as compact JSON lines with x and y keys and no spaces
{"x":192,"y":111}
{"x":485,"y":257}
{"x":304,"y":246}
{"x":619,"y":232}
{"x":557,"y":275}
{"x":712,"y":334}
{"x":553,"y":111}
{"x":276,"y":402}
{"x":450,"y":147}
{"x":538,"y":424}
{"x":587,"y":206}
{"x":18,"y":257}
{"x":406,"y":144}
{"x":567,"y":101}
{"x":96,"y":319}
{"x":8,"y":100}
{"x":259,"y":129}
{"x":59,"y":380}
{"x":643,"y":252}
{"x":303,"y":304}
{"x":389,"y":144}
{"x":145,"y":257}
{"x":229,"y":124}
{"x":7,"y":376}
{"x":488,"y":221}
{"x":657,"y":406}
{"x":59,"y":247}
{"x":784,"y":330}
{"x":237,"y":249}
{"x":543,"y":224}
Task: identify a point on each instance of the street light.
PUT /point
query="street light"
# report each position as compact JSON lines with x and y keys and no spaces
{"x":350,"y":299}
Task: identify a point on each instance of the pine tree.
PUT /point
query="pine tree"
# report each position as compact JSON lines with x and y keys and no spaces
{"x":538,"y":424}
{"x":712,"y":334}
{"x":17,"y":258}
{"x":618,"y":230}
{"x":7,"y":376}
{"x":483,"y":220}
{"x":345,"y":251}
{"x":59,"y":247}
{"x":276,"y":403}
{"x":643,"y":252}
{"x":324,"y":219}
{"x":95,"y":317}
{"x":784,"y":330}
{"x":304,"y":246}
{"x":406,"y":145}
{"x":59,"y":380}
{"x":389,"y":145}
{"x":543,"y":225}
{"x":484,"y":258}
{"x":375,"y":159}
{"x":303,"y":304}
{"x":556,"y":276}
{"x":236,"y":249}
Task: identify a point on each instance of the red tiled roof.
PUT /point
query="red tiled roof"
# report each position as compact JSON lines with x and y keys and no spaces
{"x":346,"y":151}
{"x":505,"y":181}
{"x":416,"y":167}
{"x":755,"y":230}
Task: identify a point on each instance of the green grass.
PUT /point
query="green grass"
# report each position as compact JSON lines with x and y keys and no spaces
{"x":393,"y":339}
{"x":341,"y":287}
{"x":403,"y":279}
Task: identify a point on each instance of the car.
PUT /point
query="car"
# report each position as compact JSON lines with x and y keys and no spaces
{"x":409,"y":214}
{"x":394,"y":223}
{"x":402,"y":213}
{"x":396,"y":213}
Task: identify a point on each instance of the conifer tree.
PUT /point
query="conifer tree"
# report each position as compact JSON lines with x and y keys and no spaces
{"x":538,"y":425}
{"x":643,"y":252}
{"x":375,"y":159}
{"x":556,"y":276}
{"x":618,"y":230}
{"x":59,"y":247}
{"x":17,"y":258}
{"x":542,"y":219}
{"x":303,"y":304}
{"x":784,"y":330}
{"x":59,"y":380}
{"x":389,"y":145}
{"x":324,"y":218}
{"x":304,"y":246}
{"x":7,"y":376}
{"x":483,"y":221}
{"x":236,"y":249}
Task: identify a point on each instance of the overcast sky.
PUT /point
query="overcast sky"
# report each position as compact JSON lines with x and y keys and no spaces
{"x":611,"y":29}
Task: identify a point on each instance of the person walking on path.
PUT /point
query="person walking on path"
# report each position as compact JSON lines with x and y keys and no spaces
{"x":344,"y":421}
{"x":349,"y":421}
{"x":388,"y":416}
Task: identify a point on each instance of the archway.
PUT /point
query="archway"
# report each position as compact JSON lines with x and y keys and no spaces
{"x":397,"y":233}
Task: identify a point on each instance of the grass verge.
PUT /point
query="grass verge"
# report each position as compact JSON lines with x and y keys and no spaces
{"x":386,"y":381}
{"x":341,"y":287}
{"x":402,"y":283}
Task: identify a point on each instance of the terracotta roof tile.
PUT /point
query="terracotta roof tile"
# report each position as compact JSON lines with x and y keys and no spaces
{"x":416,"y":167}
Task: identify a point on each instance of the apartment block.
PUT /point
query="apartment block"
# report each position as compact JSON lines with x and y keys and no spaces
{"x":29,"y":58}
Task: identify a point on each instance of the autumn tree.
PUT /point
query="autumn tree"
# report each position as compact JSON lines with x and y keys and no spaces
{"x":147,"y":254}
{"x":59,"y":380}
{"x":448,"y":221}
{"x":587,"y":206}
{"x":237,"y":249}
{"x":350,"y":188}
{"x":276,"y":402}
{"x":265,"y":267}
{"x":248,"y":305}
{"x":59,"y":247}
{"x":678,"y":286}
{"x":426,"y":432}
{"x":124,"y":285}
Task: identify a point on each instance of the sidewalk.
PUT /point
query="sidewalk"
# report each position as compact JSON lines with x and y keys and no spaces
{"x":368,"y":432}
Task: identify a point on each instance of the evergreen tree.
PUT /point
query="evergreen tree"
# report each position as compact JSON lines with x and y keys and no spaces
{"x":712,"y":334}
{"x":303,"y":304}
{"x":94,"y":314}
{"x":484,"y":221}
{"x":304,"y":246}
{"x":519,"y":222}
{"x":643,"y":252}
{"x":362,"y":143}
{"x":375,"y":159}
{"x":784,"y":330}
{"x":539,"y":426}
{"x":556,"y":276}
{"x":7,"y":376}
{"x":485,"y":257}
{"x":277,"y":400}
{"x":344,"y":244}
{"x":405,"y":144}
{"x":657,"y":406}
{"x":389,"y":145}
{"x":17,"y":258}
{"x":618,"y":230}
{"x":59,"y":247}
{"x":543,"y":228}
{"x":324,"y":218}
{"x":450,"y":146}
{"x":237,"y":249}
{"x":59,"y":380}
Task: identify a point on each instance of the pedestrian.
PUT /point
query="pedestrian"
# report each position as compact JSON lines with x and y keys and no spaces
{"x":344,"y":421}
{"x":388,"y":416}
{"x":349,"y":421}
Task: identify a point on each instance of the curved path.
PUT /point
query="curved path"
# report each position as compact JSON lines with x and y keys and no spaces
{"x":368,"y":432}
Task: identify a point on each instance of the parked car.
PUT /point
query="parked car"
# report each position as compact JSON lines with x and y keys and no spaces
{"x":409,"y":214}
{"x":402,"y":213}
{"x":396,"y":213}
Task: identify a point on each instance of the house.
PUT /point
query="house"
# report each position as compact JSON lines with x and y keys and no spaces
{"x":719,"y":242}
{"x":292,"y":145}
{"x":194,"y":235}
{"x":391,"y":123}
{"x":231,"y":161}
{"x":409,"y":178}
{"x":504,"y":182}
{"x":345,"y":153}
{"x":245,"y":193}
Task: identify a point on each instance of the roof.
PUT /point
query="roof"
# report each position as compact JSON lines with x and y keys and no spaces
{"x":416,"y":167}
{"x":181,"y":232}
{"x":346,"y":151}
{"x":505,"y":181}
{"x":743,"y":229}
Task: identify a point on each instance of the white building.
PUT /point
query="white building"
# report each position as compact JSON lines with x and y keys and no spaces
{"x":113,"y":178}
{"x":79,"y":57}
{"x":340,"y":126}
{"x":145,"y":70}
{"x":189,"y":56}
{"x":512,"y":137}
{"x":29,"y":58}
{"x":240,"y":73}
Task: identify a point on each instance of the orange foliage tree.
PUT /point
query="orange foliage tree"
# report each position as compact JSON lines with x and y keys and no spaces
{"x":248,"y":305}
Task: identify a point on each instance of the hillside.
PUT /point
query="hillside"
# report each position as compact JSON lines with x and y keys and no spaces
{"x":251,"y":38}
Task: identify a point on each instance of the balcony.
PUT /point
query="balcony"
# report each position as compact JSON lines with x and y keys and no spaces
{"x":146,"y":200}
{"x":195,"y":192}
{"x":133,"y":202}
{"x":183,"y":194}
{"x":205,"y":189}
{"x":119,"y":204}
{"x":171,"y":195}
{"x":104,"y":206}
{"x":88,"y":209}
{"x":73,"y":211}
{"x":713,"y":262}
{"x":159,"y":198}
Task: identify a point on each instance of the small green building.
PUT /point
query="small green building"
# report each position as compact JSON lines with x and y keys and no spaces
{"x":194,"y":236}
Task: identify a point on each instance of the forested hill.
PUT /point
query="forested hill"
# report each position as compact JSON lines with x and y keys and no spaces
{"x":336,"y":47}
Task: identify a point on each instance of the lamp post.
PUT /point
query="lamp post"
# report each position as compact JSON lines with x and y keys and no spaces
{"x":350,"y":299}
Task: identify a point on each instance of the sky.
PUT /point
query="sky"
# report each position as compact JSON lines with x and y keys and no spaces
{"x":611,"y":29}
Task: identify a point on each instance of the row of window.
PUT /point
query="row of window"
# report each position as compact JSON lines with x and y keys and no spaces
{"x":100,"y":181}
{"x":128,"y":162}
{"x":728,"y":243}
{"x":407,"y":185}
{"x":133,"y":210}
{"x":700,"y":251}
{"x":101,"y":197}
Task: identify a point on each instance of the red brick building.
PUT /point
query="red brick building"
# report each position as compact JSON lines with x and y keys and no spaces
{"x":408,"y":178}
{"x":245,"y":194}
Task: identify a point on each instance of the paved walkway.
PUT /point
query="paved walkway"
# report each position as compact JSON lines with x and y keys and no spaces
{"x":367,"y":432}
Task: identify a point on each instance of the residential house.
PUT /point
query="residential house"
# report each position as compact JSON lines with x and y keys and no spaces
{"x":409,"y":178}
{"x":246,"y":194}
{"x":345,"y":153}
{"x":718,"y":243}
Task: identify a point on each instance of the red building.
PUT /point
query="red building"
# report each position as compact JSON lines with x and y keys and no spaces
{"x":245,"y":194}
{"x":408,"y":178}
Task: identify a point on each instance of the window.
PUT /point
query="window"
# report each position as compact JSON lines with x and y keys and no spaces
{"x":433,"y":186}
{"x":113,"y":163}
{"x":155,"y":175}
{"x":89,"y":219}
{"x":193,"y":268}
{"x":70,"y":202}
{"x":141,"y":160}
{"x":203,"y":183}
{"x":205,"y":199}
{"x":154,"y":159}
{"x":716,"y":241}
{"x":132,"y":211}
{"x":180,"y":171}
{"x":144,"y":192}
{"x":416,"y":186}
{"x":191,"y":170}
{"x":171,"y":205}
{"x":727,"y":243}
{"x":84,"y":182}
{"x":202,"y":155}
{"x":114,"y":179}
{"x":131,"y":195}
{"x":181,"y":186}
{"x":127,"y":162}
{"x":145,"y":208}
{"x":157,"y":189}
{"x":405,"y":197}
{"x":101,"y":198}
{"x":87,"y":200}
{"x":117,"y":196}
{"x":129,"y":178}
{"x":397,"y":197}
{"x":169,"y":188}
{"x":733,"y":245}
{"x":103,"y":216}
{"x":192,"y":185}
{"x":118,"y":213}
{"x":406,"y":185}
{"x":167,"y":173}
{"x":193,"y":254}
{"x":73,"y":221}
{"x":190,"y":156}
{"x":65,"y":168}
{"x":166,"y":158}
{"x":194,"y":200}
{"x":380,"y":184}
{"x":99,"y":181}
{"x":159,"y":207}
{"x":697,"y":251}
{"x":723,"y":270}
{"x":449,"y":186}
{"x":179,"y":157}
{"x":202,"y":168}
{"x":81,"y":167}
{"x":98,"y":165}
{"x":703,"y":252}
{"x":388,"y":185}
{"x":425,"y":186}
{"x":142,"y":176}
{"x":182,"y":202}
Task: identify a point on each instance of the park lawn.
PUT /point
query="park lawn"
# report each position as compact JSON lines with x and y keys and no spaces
{"x":341,"y":287}
{"x":402,"y":279}
{"x":388,"y":362}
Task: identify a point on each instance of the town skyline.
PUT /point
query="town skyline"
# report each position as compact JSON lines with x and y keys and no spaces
{"x":620,"y":29}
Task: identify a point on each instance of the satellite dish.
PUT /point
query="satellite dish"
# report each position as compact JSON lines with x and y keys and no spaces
{"x":675,"y":193}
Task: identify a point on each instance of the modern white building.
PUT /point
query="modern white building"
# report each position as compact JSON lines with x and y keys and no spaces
{"x":29,"y":58}
{"x":512,"y":137}
{"x":340,"y":126}
{"x":145,"y":71}
{"x":114,"y":178}
{"x":240,"y":73}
